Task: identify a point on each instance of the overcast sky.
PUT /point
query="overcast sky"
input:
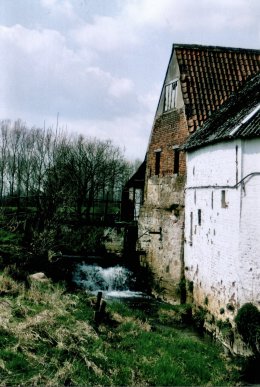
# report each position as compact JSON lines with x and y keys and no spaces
{"x":100,"y":64}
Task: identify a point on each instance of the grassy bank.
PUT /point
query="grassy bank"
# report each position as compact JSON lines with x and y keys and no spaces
{"x":48,"y":337}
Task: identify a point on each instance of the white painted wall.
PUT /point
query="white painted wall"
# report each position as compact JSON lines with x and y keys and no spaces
{"x":214,"y":165}
{"x":222,"y":254}
{"x":249,"y":241}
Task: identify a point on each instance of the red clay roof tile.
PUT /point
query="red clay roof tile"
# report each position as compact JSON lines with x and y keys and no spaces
{"x":239,"y":117}
{"x":209,"y":75}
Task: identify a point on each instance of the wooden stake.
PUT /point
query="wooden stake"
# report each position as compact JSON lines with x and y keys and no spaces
{"x":99,"y":298}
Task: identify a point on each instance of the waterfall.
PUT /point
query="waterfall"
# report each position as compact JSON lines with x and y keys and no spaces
{"x":116,"y":281}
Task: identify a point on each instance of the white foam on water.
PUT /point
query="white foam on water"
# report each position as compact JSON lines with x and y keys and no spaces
{"x":124,"y":294}
{"x":114,"y":282}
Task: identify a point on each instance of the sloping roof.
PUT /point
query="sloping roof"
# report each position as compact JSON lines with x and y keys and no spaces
{"x":137,"y":180}
{"x":239,"y":117}
{"x":209,"y":75}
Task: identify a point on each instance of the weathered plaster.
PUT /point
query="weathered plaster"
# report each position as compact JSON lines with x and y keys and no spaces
{"x":222,"y":252}
{"x":163,"y":211}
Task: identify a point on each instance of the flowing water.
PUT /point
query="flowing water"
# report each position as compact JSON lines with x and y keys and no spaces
{"x":113,"y":282}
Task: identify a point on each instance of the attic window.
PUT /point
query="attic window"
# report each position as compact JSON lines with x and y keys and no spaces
{"x":170,"y":96}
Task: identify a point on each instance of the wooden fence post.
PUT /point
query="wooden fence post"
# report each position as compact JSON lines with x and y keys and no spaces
{"x":100,"y":309}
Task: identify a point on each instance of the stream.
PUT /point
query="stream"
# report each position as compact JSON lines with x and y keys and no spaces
{"x":118,"y":283}
{"x":115,"y":282}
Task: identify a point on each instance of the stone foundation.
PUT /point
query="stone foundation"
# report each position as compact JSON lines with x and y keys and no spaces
{"x":160,"y":235}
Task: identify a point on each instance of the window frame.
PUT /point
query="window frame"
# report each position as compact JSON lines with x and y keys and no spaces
{"x":170,"y":95}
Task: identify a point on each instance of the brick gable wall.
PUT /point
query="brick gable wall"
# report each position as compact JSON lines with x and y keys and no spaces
{"x":170,"y":129}
{"x":163,"y":208}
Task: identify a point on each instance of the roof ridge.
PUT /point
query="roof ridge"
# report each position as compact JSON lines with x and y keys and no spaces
{"x":214,"y":48}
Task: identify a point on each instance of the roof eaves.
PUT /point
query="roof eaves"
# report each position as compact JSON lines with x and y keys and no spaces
{"x":245,"y":119}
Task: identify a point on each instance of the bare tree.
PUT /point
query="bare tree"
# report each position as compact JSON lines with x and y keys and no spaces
{"x":15,"y":141}
{"x":58,"y":172}
{"x":3,"y":155}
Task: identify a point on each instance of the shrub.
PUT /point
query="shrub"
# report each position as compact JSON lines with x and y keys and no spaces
{"x":199,"y":317}
{"x":181,"y":290}
{"x":248,"y":325}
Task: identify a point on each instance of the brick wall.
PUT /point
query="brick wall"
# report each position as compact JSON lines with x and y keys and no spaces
{"x":170,"y":129}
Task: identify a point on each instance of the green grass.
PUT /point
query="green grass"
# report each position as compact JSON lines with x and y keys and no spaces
{"x":48,"y":337}
{"x":167,"y":357}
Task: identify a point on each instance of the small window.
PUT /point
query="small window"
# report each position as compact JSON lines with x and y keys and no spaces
{"x":212,"y":200}
{"x":176,"y":164}
{"x":157,"y":162}
{"x":223,"y":199}
{"x":199,"y":217}
{"x":170,"y":96}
